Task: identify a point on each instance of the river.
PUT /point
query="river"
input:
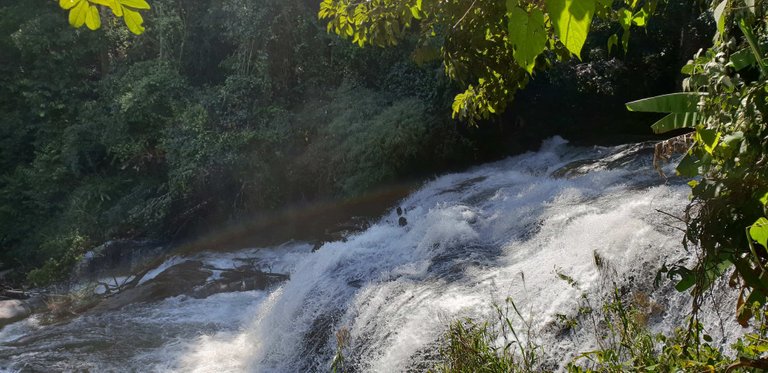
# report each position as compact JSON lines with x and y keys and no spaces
{"x":510,"y":229}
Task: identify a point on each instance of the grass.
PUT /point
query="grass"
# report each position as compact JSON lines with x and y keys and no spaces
{"x":625,"y":344}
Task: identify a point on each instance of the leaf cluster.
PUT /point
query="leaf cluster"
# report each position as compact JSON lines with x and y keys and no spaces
{"x":87,"y":12}
{"x":492,"y":48}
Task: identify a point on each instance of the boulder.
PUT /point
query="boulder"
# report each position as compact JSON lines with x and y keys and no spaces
{"x":13,"y":310}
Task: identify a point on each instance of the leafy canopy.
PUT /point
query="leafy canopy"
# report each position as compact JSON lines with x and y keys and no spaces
{"x":490,"y":47}
{"x":86,"y":12}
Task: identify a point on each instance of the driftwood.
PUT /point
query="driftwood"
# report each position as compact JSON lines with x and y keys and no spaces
{"x":761,"y":364}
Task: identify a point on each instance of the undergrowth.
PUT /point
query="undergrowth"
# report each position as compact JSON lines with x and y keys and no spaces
{"x":624,"y":343}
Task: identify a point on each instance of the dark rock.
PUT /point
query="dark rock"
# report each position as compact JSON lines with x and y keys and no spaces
{"x":13,"y":294}
{"x":116,"y":258}
{"x":399,"y":211}
{"x":180,"y":279}
{"x":402,"y":221}
{"x":239,"y":280}
{"x":317,"y":246}
{"x":191,"y":278}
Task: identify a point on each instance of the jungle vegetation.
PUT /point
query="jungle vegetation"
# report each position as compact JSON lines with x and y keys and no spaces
{"x":216,"y":107}
{"x":189,"y":115}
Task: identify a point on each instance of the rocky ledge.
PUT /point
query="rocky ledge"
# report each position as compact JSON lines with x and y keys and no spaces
{"x":189,"y":278}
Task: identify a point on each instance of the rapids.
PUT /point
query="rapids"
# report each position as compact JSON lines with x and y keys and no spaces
{"x":506,"y":229}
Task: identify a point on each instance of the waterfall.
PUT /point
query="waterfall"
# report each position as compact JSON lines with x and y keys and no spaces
{"x":511,"y":229}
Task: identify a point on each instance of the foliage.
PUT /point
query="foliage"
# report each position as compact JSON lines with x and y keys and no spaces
{"x":64,"y":253}
{"x":725,"y":103}
{"x":474,"y":347}
{"x":206,"y":118}
{"x":342,"y":341}
{"x":490,"y":47}
{"x":86,"y":12}
{"x":377,"y":138}
{"x":625,"y":344}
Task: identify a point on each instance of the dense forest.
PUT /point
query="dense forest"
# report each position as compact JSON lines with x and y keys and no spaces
{"x":226,"y":109}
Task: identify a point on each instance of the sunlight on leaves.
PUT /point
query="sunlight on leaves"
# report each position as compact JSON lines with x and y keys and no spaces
{"x":759,"y":231}
{"x":85,"y":12}
{"x":572,"y":19}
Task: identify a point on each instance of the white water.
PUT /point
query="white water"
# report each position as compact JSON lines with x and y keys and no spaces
{"x":473,"y":238}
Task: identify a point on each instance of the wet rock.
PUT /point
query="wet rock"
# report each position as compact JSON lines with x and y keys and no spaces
{"x":177,"y":280}
{"x":191,"y":278}
{"x":239,"y":280}
{"x":463,"y":186}
{"x":576,"y":168}
{"x":117,"y":257}
{"x":13,"y":310}
{"x":402,"y":221}
{"x":13,"y":294}
{"x":640,"y":155}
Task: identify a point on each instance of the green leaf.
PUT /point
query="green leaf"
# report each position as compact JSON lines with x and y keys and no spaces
{"x":133,"y":20}
{"x":625,"y":18}
{"x":759,"y":232}
{"x":686,"y":282}
{"x":526,"y":34}
{"x":676,"y":121}
{"x":709,"y":138}
{"x":613,"y":41}
{"x":688,"y":69}
{"x":135,"y":4}
{"x":92,"y":19}
{"x":572,"y":19}
{"x":640,"y":18}
{"x":415,"y":12}
{"x":68,"y":4}
{"x":753,"y":45}
{"x":741,"y":59}
{"x":680,"y":103}
{"x":78,"y":14}
{"x":719,"y":15}
{"x":764,"y":199}
{"x":689,"y":167}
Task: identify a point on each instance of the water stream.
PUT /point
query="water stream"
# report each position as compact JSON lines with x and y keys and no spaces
{"x":505,"y":229}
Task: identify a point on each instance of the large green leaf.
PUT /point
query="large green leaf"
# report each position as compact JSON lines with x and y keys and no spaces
{"x":687,"y":280}
{"x":719,"y":15}
{"x":679,"y":103}
{"x":759,"y":231}
{"x":709,"y":138}
{"x":741,"y":59}
{"x":688,"y":166}
{"x":676,"y":121}
{"x":526,"y":34}
{"x":571,"y":19}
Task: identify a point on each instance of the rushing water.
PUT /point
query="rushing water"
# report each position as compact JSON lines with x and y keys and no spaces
{"x":501,"y":230}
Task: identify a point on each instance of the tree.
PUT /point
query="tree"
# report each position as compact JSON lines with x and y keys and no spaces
{"x":88,"y":12}
{"x":490,"y":47}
